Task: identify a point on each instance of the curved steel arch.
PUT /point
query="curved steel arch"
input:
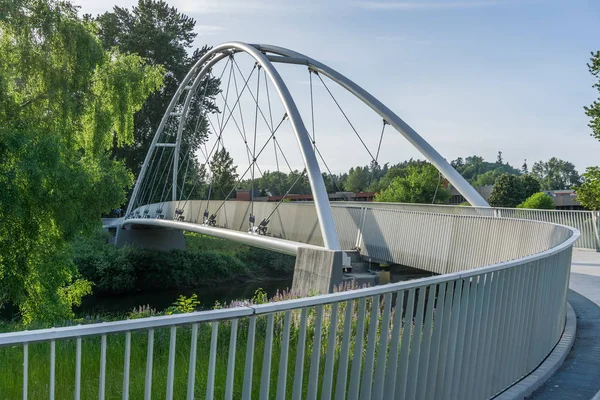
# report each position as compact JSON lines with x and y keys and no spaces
{"x":292,"y":57}
{"x":279,"y":54}
{"x":326,"y":222}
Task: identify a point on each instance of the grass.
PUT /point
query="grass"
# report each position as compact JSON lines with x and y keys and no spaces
{"x":39,"y":356}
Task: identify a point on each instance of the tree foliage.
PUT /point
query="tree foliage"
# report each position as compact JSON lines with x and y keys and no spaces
{"x":508,"y":191}
{"x":539,"y":201}
{"x":588,"y":193}
{"x":224,"y":175}
{"x":479,"y":172}
{"x":420,"y":185}
{"x":162,"y":36}
{"x":593,"y":111}
{"x":556,"y":174}
{"x":64,"y":101}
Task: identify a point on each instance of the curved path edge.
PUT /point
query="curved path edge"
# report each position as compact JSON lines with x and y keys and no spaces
{"x":551,"y":363}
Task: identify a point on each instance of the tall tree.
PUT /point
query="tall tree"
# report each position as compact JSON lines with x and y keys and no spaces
{"x":64,"y":101}
{"x":593,"y":111}
{"x":556,"y":174}
{"x":420,"y":185}
{"x":358,"y":179}
{"x":224,"y":175}
{"x":163,"y":36}
{"x":508,"y":191}
{"x":588,"y":194}
{"x":531,"y":185}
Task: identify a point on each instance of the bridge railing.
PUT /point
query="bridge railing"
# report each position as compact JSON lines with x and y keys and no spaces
{"x":587,"y":222}
{"x":466,"y":334}
{"x":297,"y":221}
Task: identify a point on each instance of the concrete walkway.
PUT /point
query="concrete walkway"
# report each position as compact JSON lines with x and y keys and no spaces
{"x":579,"y":375}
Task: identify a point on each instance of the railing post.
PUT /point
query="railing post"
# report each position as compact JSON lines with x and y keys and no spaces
{"x":595,"y":215}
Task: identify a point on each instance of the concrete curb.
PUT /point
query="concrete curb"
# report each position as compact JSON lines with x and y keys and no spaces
{"x":537,"y":377}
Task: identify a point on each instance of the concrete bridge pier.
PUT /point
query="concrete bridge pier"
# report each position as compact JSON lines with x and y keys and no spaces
{"x":151,"y":238}
{"x":317,"y":271}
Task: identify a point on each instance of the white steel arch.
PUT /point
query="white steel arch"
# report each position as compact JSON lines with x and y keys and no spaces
{"x":265,"y":56}
{"x":326,"y":222}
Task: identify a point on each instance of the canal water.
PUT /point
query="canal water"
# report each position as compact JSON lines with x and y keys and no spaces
{"x":207,"y":295}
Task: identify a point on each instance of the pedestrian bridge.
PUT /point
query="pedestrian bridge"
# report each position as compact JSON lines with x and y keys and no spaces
{"x":494,"y":311}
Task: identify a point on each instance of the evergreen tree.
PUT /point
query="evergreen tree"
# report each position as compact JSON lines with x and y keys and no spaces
{"x":224,"y":175}
{"x":508,"y":191}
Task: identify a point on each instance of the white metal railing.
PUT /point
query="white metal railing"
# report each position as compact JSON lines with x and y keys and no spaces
{"x":470,"y":333}
{"x":297,"y":221}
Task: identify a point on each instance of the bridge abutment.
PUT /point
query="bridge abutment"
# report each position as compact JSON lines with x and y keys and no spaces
{"x":317,"y":271}
{"x":157,"y":239}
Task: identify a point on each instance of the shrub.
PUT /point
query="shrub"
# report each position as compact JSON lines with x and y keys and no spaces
{"x":540,"y":201}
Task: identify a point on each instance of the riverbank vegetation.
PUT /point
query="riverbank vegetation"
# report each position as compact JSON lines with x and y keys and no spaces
{"x":205,"y":261}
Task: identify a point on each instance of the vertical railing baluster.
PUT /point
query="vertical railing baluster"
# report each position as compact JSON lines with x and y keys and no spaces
{"x":424,"y":359}
{"x":265,"y":379}
{"x":378,"y":384}
{"x":171,"y":365}
{"x":367,"y":376}
{"x":249,"y":362}
{"x":329,"y":360}
{"x":299,"y":368}
{"x":102,"y":383}
{"x":192,"y":364}
{"x":313,"y":373}
{"x":52,"y":367}
{"x":78,"y":369}
{"x":283,"y":358}
{"x":342,"y":373}
{"x":416,"y":344}
{"x":358,"y":346}
{"x":149,"y":359}
{"x":390,"y":379}
{"x":126,"y":365}
{"x":402,"y":370}
{"x":25,"y":369}
{"x":231,"y":360}
{"x":210,"y":384}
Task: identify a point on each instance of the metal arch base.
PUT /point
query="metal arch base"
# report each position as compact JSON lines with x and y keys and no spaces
{"x":292,"y":57}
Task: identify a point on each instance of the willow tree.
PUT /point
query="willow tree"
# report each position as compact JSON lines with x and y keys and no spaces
{"x":64,"y":100}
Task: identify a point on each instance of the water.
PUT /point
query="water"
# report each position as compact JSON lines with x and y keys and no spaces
{"x":207,"y":295}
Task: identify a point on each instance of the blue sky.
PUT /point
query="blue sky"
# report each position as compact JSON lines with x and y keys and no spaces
{"x":471,"y":76}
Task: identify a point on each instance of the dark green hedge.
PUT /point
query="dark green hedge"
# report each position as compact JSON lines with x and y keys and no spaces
{"x":205,"y":261}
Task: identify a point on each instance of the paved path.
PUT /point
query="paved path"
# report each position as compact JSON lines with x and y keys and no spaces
{"x":579,"y":376}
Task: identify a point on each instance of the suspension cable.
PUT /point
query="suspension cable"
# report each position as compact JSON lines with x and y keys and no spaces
{"x":249,"y":167}
{"x":254,"y":146}
{"x":331,"y":174}
{"x":380,"y":140}
{"x":344,"y":114}
{"x":285,"y":195}
{"x":312,"y":108}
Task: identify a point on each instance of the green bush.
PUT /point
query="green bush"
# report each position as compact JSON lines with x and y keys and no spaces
{"x":205,"y":261}
{"x":540,"y":201}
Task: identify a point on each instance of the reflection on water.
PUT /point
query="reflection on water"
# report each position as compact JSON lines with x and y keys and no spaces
{"x":160,"y":300}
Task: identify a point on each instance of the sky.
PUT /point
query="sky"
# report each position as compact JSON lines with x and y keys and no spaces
{"x":470,"y":76}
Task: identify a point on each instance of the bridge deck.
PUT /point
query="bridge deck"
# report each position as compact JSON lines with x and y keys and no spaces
{"x":579,"y":376}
